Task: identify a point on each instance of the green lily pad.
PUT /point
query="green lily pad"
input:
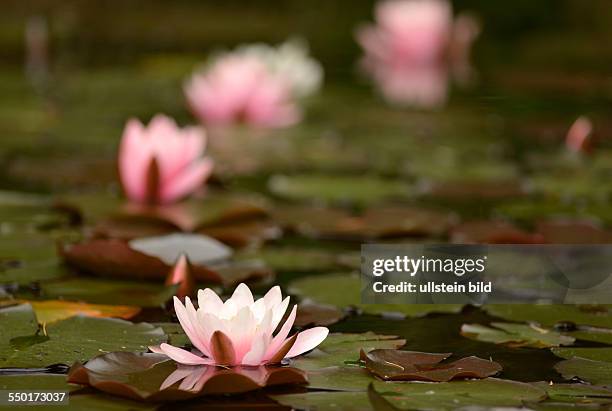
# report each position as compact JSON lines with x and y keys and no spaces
{"x":576,"y":392}
{"x":595,"y":372}
{"x":595,"y":354}
{"x":324,"y":289}
{"x":550,"y":314}
{"x":490,"y":392}
{"x":337,"y":349}
{"x":519,"y":335}
{"x":337,"y":189}
{"x":74,"y":339}
{"x":108,"y":291}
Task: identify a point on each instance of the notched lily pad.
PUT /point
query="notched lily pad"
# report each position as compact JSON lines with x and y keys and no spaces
{"x":396,"y":365}
{"x":152,"y":377}
{"x":516,"y":335}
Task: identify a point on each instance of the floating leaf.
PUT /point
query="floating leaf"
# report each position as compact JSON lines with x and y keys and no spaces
{"x":573,"y":232}
{"x":489,"y":392}
{"x":576,"y":393}
{"x":337,"y":189}
{"x":594,"y":353}
{"x":517,"y":335}
{"x":76,"y":338}
{"x":243,"y":234}
{"x":492,"y":232}
{"x":79,"y":400}
{"x":468,"y":190}
{"x":595,"y":372}
{"x":49,"y":311}
{"x":115,"y":258}
{"x":152,"y":377}
{"x":339,"y":348}
{"x":200,"y":249}
{"x":396,"y":365}
{"x":311,"y":313}
{"x":549,"y":315}
{"x":107,"y":291}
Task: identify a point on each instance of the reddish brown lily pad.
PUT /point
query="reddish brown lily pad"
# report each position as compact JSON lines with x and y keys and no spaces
{"x":396,"y":365}
{"x":312,"y":313}
{"x":573,"y":232}
{"x":374,"y":223}
{"x":152,"y":377}
{"x":115,"y":258}
{"x":492,"y":232}
{"x":243,"y":234}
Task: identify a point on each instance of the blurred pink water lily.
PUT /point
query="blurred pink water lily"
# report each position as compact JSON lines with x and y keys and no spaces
{"x":579,"y":135}
{"x":413,"y":47}
{"x":256,"y":84}
{"x":161,"y":162}
{"x":240,"y":330}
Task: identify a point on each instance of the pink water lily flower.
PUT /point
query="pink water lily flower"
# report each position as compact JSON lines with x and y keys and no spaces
{"x":239,"y":331}
{"x":408,"y":31}
{"x":239,"y":87}
{"x":161,"y":162}
{"x":579,"y":134}
{"x":414,"y":46}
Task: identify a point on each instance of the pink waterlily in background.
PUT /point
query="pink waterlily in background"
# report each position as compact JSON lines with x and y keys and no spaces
{"x":579,"y":135}
{"x":239,"y":331}
{"x":413,"y":47}
{"x":256,"y":84}
{"x":162,"y":163}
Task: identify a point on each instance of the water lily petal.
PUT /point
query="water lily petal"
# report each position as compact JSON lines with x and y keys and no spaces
{"x":209,"y":301}
{"x":256,"y":355}
{"x":242,"y":296}
{"x":222,"y":349}
{"x":279,"y":338}
{"x":187,"y":181}
{"x":307,"y":340}
{"x":182,"y":356}
{"x":283,"y":350}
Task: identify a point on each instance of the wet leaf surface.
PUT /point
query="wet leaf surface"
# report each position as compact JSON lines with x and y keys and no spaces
{"x":580,"y":393}
{"x":490,"y":392}
{"x":340,"y":348}
{"x":395,"y":365}
{"x":77,"y":338}
{"x":550,"y":315}
{"x":49,"y":311}
{"x":595,"y":372}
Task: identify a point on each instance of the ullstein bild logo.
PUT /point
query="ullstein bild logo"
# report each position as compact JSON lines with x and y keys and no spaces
{"x":439,"y":274}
